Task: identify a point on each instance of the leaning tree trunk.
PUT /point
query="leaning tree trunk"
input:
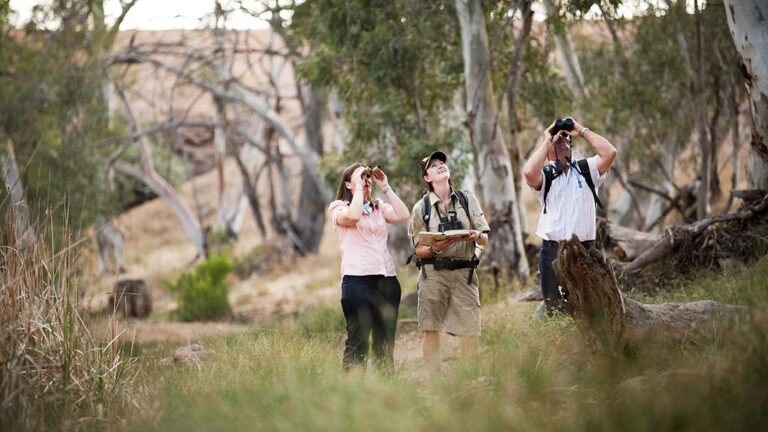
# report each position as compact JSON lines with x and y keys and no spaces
{"x":611,"y":322}
{"x":493,"y":165}
{"x":747,"y":21}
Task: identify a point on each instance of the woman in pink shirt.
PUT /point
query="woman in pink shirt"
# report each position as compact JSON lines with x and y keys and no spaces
{"x":370,"y":291}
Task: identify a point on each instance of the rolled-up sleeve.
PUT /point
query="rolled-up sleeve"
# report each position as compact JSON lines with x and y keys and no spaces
{"x":597,"y":179}
{"x":415,"y":225}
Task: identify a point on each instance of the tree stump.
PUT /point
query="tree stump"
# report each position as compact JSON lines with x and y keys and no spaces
{"x":610,"y":321}
{"x":131,"y":298}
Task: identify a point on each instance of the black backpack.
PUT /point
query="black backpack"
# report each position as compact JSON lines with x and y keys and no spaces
{"x":552,"y":172}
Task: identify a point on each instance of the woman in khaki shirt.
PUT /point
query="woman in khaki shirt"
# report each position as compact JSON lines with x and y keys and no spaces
{"x":449,"y":294}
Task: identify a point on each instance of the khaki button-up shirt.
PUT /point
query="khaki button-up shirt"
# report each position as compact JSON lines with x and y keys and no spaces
{"x":460,"y":249}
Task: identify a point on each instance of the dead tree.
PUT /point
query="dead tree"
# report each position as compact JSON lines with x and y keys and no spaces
{"x":610,"y":321}
{"x":147,"y":174}
{"x":240,"y":107}
{"x":671,"y":240}
{"x":627,"y":243}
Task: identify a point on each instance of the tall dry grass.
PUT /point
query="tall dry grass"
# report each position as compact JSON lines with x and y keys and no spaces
{"x":532,"y":375}
{"x":54,"y":374}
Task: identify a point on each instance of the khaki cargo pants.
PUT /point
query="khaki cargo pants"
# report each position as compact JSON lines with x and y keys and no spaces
{"x":447,"y":302}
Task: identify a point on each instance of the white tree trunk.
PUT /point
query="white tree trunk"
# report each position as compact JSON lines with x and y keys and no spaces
{"x":14,"y":187}
{"x":109,"y":241}
{"x":493,"y":165}
{"x":566,"y":56}
{"x":340,"y":132}
{"x":749,"y":28}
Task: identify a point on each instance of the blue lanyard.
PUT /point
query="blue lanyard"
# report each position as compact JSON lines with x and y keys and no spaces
{"x":367,"y":208}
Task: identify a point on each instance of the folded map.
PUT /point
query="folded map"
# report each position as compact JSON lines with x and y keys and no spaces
{"x":430,"y":236}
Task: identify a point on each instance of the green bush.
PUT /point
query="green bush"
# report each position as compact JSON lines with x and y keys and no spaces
{"x":202,"y":294}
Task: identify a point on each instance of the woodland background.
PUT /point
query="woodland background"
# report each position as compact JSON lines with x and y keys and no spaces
{"x":201,"y":162}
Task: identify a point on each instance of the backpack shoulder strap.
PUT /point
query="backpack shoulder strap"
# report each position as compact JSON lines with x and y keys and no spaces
{"x":426,"y":211}
{"x":549,"y":176}
{"x":464,"y":201}
{"x":587,"y":174}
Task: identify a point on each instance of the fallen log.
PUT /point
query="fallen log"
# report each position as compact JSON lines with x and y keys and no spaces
{"x":610,"y":321}
{"x":628,"y":243}
{"x":672,"y":236}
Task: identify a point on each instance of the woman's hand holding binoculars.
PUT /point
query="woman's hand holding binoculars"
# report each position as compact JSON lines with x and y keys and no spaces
{"x":380,"y":178}
{"x":357,"y":177}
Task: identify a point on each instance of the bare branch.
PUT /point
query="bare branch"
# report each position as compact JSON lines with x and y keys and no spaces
{"x":159,"y":185}
{"x":237,"y":94}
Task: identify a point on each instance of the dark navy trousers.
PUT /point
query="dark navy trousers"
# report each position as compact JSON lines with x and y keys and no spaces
{"x":370,"y":305}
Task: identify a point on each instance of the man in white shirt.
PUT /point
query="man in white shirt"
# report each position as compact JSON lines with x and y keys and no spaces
{"x":569,"y":205}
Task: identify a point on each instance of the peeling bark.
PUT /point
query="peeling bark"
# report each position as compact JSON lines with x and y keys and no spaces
{"x":747,"y":22}
{"x":493,"y":164}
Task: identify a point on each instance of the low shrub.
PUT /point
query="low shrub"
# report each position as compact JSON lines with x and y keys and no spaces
{"x":202,"y":293}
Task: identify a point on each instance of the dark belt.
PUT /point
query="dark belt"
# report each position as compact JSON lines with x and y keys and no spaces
{"x":443,"y":264}
{"x":439,"y":264}
{"x":553,"y":243}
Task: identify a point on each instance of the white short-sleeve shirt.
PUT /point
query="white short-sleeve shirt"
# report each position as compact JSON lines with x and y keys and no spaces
{"x":570,"y":205}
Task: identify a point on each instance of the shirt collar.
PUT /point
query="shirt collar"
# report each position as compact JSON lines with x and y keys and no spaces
{"x":433,"y":198}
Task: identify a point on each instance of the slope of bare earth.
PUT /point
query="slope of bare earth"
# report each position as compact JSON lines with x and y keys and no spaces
{"x":158,"y":251}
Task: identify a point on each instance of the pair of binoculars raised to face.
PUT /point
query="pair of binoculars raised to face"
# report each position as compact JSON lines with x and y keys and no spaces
{"x":565,"y":124}
{"x":372,"y":171}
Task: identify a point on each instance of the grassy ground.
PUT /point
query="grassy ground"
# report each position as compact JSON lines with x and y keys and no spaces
{"x":531,"y":375}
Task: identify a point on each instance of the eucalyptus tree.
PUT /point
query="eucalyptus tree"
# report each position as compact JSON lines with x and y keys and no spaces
{"x":51,"y":113}
{"x":670,"y":85}
{"x":399,"y":69}
{"x":747,"y":23}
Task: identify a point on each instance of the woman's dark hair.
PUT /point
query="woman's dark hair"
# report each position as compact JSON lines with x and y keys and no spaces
{"x":344,"y":194}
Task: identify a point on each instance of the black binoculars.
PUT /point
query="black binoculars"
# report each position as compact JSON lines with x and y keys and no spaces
{"x":450,"y":223}
{"x":565,"y":124}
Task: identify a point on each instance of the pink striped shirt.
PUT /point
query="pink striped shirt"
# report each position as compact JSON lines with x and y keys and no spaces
{"x":364,"y":246}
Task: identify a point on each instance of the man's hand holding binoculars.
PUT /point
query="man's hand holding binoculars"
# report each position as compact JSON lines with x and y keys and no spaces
{"x":561,"y":128}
